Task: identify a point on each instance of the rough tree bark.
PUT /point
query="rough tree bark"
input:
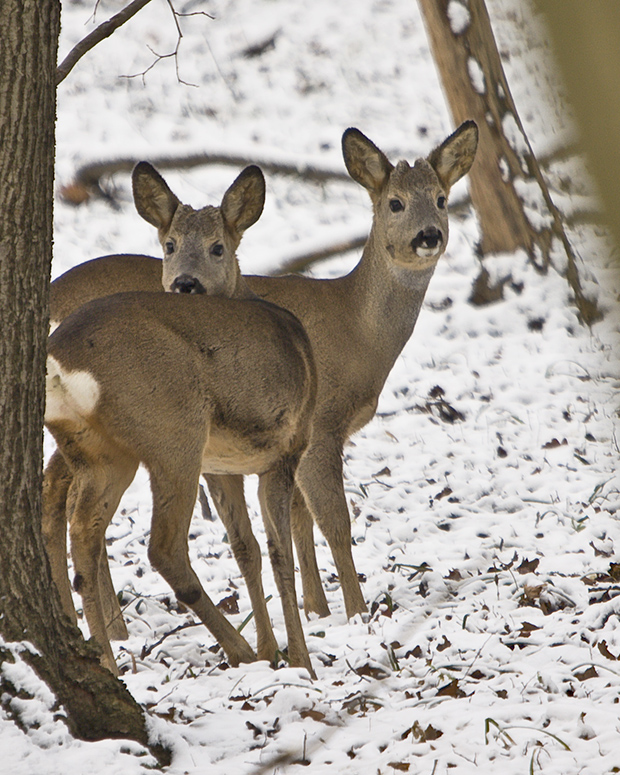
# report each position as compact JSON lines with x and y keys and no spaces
{"x":97,"y":705}
{"x":464,"y":49}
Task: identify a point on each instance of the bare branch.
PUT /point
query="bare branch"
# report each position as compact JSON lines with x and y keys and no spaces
{"x":102,"y":32}
{"x":88,"y":178}
{"x":173,"y":54}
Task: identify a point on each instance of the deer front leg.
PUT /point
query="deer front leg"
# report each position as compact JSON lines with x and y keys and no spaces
{"x":228,"y":495}
{"x":302,"y":525}
{"x":275,"y":492}
{"x":173,"y":503}
{"x":319,"y":477}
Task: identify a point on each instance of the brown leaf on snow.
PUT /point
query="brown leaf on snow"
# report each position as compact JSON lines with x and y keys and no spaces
{"x":602,"y":647}
{"x":421,"y":735}
{"x":315,"y":715}
{"x":526,"y":629}
{"x":589,"y":673}
{"x":614,"y":570}
{"x":401,"y":766}
{"x":371,"y":671}
{"x":445,"y":643}
{"x":446,"y":491}
{"x":229,"y":605}
{"x":601,"y":552}
{"x":383,"y":472}
{"x":528,"y":566}
{"x":554,"y":443}
{"x":451,"y":689}
{"x":531,"y":594}
{"x":358,"y":704}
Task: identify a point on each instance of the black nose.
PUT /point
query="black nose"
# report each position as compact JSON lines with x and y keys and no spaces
{"x":427,"y":238}
{"x":185,"y":283}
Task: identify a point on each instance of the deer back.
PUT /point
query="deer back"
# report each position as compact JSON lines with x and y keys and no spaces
{"x":158,"y":370}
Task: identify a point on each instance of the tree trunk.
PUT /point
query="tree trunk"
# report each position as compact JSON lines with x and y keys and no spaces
{"x":475,"y":85}
{"x":97,"y":705}
{"x":586,"y":39}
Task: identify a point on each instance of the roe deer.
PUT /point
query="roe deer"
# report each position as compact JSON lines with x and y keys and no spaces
{"x":214,"y":380}
{"x":357,"y":324}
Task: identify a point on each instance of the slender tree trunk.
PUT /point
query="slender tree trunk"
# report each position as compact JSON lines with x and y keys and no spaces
{"x":586,"y":39}
{"x":97,"y":704}
{"x":475,"y":85}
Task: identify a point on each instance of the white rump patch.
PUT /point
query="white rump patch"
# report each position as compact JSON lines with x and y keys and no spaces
{"x":69,"y":395}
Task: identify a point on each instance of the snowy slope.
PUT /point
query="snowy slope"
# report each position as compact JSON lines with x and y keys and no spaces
{"x":484,"y":495}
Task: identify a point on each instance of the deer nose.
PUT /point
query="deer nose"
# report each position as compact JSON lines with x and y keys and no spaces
{"x":185,"y":283}
{"x":429,"y":238}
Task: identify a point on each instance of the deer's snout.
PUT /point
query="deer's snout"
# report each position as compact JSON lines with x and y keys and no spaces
{"x":430,"y":239}
{"x":185,"y":283}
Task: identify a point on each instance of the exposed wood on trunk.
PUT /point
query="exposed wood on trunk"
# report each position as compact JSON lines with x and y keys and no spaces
{"x":476,"y":87}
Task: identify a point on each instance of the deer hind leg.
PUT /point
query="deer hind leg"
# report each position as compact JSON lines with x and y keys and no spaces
{"x":114,"y":622}
{"x":303,"y":535}
{"x":319,"y":477}
{"x":56,"y":483}
{"x":94,"y":496}
{"x":275,"y":491}
{"x":173,"y":502}
{"x":122,"y":477}
{"x":228,"y":494}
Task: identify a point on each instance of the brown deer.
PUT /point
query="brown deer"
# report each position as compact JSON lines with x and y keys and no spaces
{"x":212,"y":380}
{"x":357,"y":324}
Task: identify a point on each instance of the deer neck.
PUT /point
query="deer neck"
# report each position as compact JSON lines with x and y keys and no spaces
{"x":388,"y":299}
{"x":241,"y":289}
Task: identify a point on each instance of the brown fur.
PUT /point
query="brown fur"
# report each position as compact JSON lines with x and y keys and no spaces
{"x":357,"y":324}
{"x":185,"y":384}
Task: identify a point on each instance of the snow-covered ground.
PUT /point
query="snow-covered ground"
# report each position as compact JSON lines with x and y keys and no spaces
{"x":486,"y":534}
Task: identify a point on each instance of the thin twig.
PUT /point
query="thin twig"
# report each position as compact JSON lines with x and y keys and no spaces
{"x":103,"y":31}
{"x":173,"y":54}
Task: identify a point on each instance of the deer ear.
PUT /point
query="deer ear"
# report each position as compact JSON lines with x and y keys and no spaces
{"x":366,"y":164}
{"x":454,"y":157}
{"x":154,"y":200}
{"x":243,"y":203}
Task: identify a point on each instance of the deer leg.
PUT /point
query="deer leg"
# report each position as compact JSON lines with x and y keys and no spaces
{"x":123,"y":475}
{"x":56,"y":482}
{"x":114,"y":621}
{"x":229,"y":498}
{"x":303,"y":535}
{"x":319,"y":476}
{"x":168,"y":552}
{"x":275,"y":492}
{"x":96,"y":493}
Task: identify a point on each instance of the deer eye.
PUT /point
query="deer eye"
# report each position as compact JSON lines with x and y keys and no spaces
{"x":396,"y":205}
{"x":217,"y":249}
{"x":169,"y":247}
{"x":441,"y":202}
